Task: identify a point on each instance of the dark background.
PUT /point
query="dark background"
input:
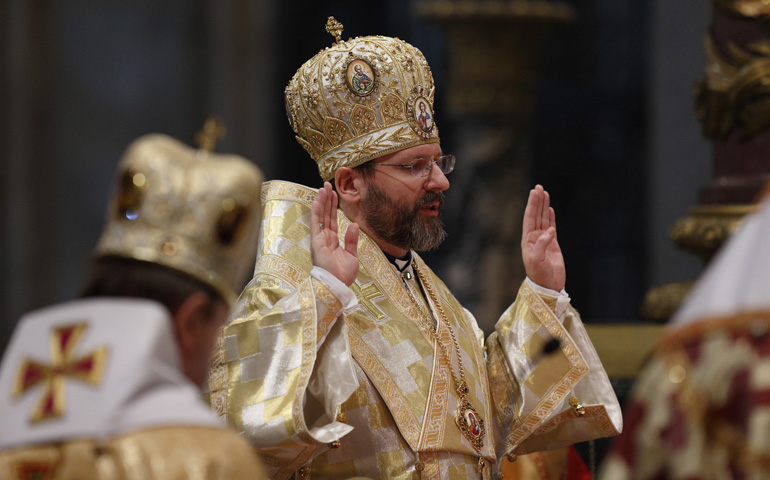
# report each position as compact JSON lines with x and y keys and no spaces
{"x":614,"y":136}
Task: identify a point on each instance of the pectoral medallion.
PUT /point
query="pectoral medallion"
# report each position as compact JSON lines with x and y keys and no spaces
{"x":471,"y":424}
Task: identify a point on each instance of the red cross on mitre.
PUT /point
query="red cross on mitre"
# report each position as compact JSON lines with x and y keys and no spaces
{"x":87,"y":368}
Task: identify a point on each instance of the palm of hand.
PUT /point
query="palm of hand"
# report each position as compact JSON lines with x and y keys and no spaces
{"x":544,"y":267}
{"x":325,"y":249}
{"x":328,"y":254}
{"x":543,"y":260}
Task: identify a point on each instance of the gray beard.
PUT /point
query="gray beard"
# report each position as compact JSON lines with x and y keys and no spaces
{"x":400,"y":225}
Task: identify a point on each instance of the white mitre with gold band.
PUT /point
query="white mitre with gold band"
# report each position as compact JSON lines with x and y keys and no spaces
{"x":187,"y":209}
{"x":94,"y":368}
{"x":360,"y":99}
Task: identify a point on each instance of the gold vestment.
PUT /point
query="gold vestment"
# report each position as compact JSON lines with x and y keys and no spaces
{"x":168,"y":453}
{"x":403,"y":409}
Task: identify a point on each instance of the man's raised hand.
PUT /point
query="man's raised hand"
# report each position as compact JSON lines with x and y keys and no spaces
{"x":325,"y":248}
{"x":540,"y":250}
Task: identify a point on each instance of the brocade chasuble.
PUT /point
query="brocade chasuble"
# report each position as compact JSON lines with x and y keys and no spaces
{"x":282,"y":369}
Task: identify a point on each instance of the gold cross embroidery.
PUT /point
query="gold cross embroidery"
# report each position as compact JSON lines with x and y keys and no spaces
{"x":365,"y":296}
{"x":87,"y":368}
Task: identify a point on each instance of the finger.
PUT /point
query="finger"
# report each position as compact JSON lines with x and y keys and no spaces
{"x":539,"y":207}
{"x":325,"y":217}
{"x":545,"y":211}
{"x":333,"y":212}
{"x":552,"y":217}
{"x":530,"y":213}
{"x":351,"y":239}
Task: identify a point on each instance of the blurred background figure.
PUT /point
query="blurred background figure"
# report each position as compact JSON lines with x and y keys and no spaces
{"x":559,"y":464}
{"x":701,"y":407}
{"x":107,"y":386}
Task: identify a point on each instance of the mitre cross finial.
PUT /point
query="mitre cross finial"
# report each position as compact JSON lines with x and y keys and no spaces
{"x":334,"y":28}
{"x":213,"y":130}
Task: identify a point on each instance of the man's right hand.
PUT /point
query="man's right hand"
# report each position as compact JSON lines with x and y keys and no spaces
{"x":325,"y":248}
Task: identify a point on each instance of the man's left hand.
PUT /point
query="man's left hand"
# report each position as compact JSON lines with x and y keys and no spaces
{"x":540,"y":250}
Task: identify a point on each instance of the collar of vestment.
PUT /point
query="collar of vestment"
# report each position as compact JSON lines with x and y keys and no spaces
{"x":401,"y":264}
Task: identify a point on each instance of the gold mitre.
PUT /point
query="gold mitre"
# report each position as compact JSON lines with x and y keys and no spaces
{"x":360,"y":99}
{"x":191,"y":210}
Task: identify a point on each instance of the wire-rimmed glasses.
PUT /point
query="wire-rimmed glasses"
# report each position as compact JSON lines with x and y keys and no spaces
{"x":421,"y":167}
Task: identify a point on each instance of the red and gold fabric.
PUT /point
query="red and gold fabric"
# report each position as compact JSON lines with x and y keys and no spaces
{"x":701,"y":406}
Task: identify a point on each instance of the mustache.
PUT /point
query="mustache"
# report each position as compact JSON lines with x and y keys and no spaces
{"x":431,"y":197}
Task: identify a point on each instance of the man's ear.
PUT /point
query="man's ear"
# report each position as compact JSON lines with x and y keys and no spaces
{"x":188,"y":319}
{"x":349,"y":185}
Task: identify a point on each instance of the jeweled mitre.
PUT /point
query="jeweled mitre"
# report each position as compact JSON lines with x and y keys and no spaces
{"x":360,"y":99}
{"x":187,"y":209}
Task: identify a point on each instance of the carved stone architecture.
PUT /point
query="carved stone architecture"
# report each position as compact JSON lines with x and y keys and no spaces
{"x":732,"y":102}
{"x":491,"y":75}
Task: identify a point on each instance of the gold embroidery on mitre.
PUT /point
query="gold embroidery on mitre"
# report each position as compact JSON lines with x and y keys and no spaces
{"x":376,"y":73}
{"x":337,"y":131}
{"x":317,"y":140}
{"x":363,"y":119}
{"x":392,"y":110}
{"x":88,"y":368}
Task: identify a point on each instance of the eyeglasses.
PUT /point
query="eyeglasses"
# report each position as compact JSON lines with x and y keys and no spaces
{"x":421,"y":167}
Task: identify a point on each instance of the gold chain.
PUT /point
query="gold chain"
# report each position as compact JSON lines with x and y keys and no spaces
{"x":462,"y":387}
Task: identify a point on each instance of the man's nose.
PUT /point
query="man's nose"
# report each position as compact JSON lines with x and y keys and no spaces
{"x":437,"y":181}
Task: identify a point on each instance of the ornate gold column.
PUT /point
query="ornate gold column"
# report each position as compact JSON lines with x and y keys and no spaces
{"x":732,"y":102}
{"x":489,"y":95}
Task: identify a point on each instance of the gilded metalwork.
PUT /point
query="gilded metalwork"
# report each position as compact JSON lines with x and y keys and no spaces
{"x":579,"y":409}
{"x":733,"y":95}
{"x":187,"y":209}
{"x":707,"y":227}
{"x":334,"y":28}
{"x":360,"y":76}
{"x":745,"y":8}
{"x":661,"y":303}
{"x":420,"y":113}
{"x":471,"y":424}
{"x":88,"y":368}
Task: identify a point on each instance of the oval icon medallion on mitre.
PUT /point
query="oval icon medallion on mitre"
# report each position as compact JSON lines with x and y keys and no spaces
{"x":360,"y":77}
